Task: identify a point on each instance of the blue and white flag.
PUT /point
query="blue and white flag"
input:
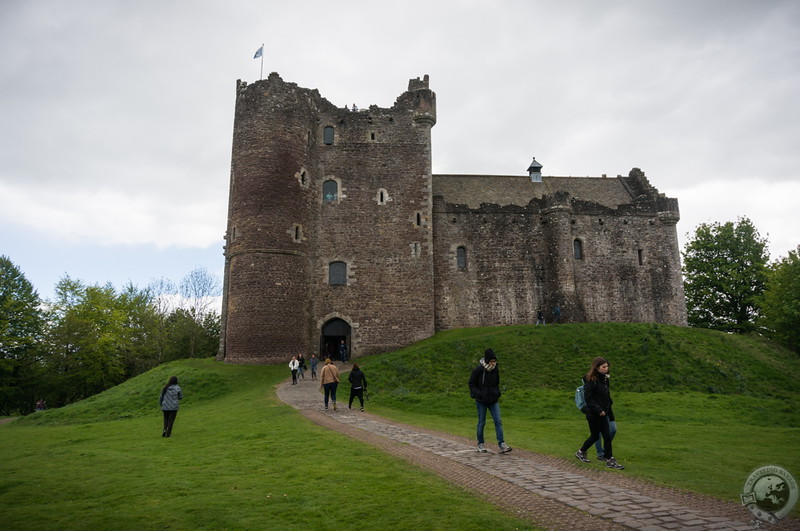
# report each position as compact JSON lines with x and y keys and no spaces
{"x":259,"y":52}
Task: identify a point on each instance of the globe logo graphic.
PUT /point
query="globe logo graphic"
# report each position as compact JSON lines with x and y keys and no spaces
{"x":772,"y":493}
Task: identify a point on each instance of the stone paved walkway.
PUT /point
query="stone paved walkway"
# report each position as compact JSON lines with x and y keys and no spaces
{"x":549,"y":492}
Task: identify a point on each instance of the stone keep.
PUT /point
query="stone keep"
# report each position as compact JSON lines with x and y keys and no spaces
{"x":339,"y":232}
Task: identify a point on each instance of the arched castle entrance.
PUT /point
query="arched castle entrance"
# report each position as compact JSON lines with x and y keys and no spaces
{"x":332,"y":334}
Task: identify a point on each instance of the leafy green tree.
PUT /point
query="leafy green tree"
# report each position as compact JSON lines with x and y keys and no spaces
{"x":725,"y":267}
{"x":780,"y":303}
{"x":98,"y":338}
{"x":21,"y":323}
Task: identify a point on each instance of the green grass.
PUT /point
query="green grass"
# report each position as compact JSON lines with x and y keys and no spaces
{"x":238,"y":459}
{"x":696,"y":409}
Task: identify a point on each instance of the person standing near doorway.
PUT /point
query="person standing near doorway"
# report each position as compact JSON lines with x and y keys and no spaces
{"x":313,"y":362}
{"x":343,"y":351}
{"x":329,"y":381}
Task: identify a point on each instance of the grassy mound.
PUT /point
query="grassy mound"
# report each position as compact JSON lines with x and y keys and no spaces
{"x":644,"y":358}
{"x":695,"y":408}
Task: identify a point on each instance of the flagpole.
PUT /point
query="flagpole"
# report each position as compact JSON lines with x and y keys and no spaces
{"x":261,"y":75}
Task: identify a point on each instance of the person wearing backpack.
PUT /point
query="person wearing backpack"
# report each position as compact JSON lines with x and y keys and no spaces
{"x":598,"y":412}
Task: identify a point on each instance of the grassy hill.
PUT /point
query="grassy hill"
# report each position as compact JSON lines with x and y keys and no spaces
{"x":643,"y":358}
{"x":696,"y":409}
{"x":238,"y":459}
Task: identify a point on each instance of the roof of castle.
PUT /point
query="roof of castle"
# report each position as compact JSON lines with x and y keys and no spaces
{"x":473,"y":190}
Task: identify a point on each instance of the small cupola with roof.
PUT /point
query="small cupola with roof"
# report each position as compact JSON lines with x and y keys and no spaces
{"x":535,"y":171}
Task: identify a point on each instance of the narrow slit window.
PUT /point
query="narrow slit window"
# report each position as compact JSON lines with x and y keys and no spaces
{"x":461,"y":258}
{"x":419,"y":219}
{"x":330,"y":191}
{"x":337,"y":273}
{"x":640,"y":252}
{"x":577,"y":248}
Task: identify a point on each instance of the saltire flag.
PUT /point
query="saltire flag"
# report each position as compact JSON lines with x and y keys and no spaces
{"x":259,"y":52}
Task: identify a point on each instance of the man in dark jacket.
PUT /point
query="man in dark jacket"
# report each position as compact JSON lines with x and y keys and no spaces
{"x":484,"y":387}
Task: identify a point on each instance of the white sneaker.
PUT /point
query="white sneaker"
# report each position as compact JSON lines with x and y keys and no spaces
{"x":481,"y":448}
{"x":504,"y":448}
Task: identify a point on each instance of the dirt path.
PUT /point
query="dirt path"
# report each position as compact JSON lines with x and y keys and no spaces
{"x":555,"y":493}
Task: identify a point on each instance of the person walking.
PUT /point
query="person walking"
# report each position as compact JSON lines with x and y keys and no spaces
{"x":329,"y":380}
{"x":612,"y":428}
{"x":171,"y":396}
{"x":301,"y":366}
{"x":358,"y":384}
{"x":293,"y":365}
{"x":484,"y":388}
{"x":313,"y":361}
{"x":539,"y":318}
{"x":598,"y":412}
{"x":343,"y":351}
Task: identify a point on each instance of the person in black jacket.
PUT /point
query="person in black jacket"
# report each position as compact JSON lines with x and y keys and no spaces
{"x":358,"y":383}
{"x":598,"y":412}
{"x":484,"y":387}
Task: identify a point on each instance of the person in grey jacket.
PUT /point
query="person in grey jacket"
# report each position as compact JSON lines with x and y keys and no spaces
{"x":171,"y":396}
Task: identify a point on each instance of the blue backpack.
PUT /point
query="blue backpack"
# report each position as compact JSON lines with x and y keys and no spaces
{"x":580,"y":400}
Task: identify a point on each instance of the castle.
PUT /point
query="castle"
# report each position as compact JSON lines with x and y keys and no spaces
{"x":339,"y":231}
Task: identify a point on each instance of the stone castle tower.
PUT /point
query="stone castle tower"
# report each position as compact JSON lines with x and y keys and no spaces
{"x":338,"y":231}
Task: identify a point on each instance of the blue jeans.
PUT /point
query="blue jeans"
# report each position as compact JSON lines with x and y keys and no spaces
{"x":494,"y":410}
{"x":612,"y":427}
{"x":330,"y":390}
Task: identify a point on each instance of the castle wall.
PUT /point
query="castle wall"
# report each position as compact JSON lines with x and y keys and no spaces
{"x":312,"y":184}
{"x":380,"y":225}
{"x":522,"y":259}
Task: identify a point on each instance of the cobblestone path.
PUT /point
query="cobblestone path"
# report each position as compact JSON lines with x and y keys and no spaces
{"x":550,"y":492}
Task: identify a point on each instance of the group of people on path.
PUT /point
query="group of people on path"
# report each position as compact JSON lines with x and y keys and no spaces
{"x":484,"y":388}
{"x":298,"y":367}
{"x":329,"y":382}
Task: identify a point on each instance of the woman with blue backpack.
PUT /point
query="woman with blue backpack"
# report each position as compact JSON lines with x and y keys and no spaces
{"x":598,"y":412}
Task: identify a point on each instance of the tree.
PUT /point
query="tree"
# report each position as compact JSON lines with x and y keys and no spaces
{"x":725,"y":268}
{"x":198,"y":290}
{"x":21,"y":323}
{"x":780,"y":303}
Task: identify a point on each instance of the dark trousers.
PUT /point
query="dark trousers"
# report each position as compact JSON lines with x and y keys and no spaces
{"x":356,"y":392}
{"x":330,"y":391}
{"x":169,"y":420}
{"x":294,"y":376}
{"x":598,"y":426}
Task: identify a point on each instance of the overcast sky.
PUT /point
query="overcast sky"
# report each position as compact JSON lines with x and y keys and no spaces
{"x":116,"y":116}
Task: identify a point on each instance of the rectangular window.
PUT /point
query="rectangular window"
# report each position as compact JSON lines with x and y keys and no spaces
{"x":337,"y":273}
{"x":327,"y":135}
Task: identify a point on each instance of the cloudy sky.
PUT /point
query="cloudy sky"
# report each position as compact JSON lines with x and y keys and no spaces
{"x":116,"y":116}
